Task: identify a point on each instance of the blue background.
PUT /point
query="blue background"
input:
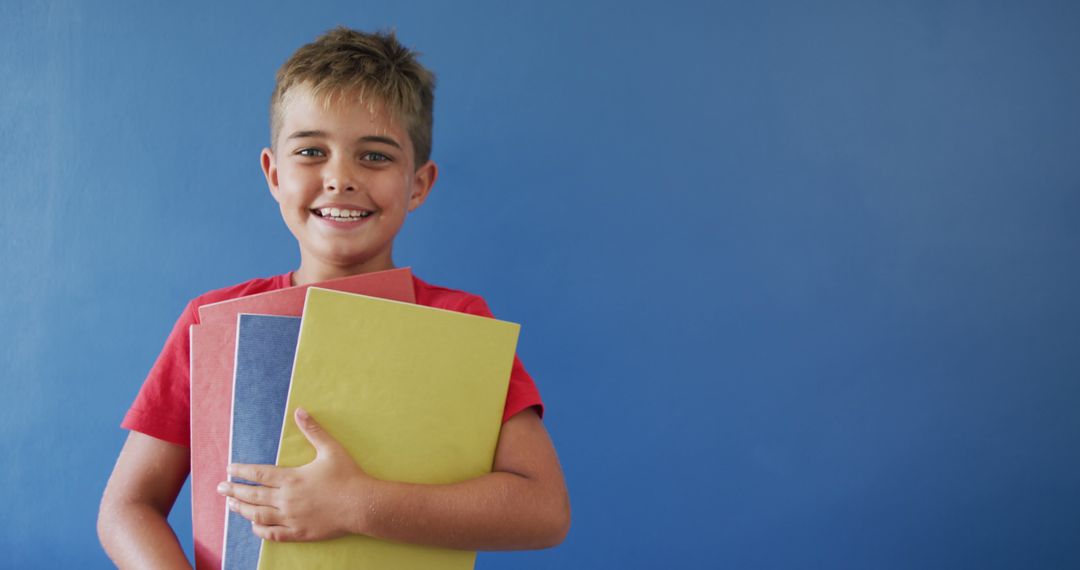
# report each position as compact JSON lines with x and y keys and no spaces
{"x":798,"y":280}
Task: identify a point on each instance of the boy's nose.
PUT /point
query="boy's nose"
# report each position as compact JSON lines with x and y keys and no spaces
{"x":338,"y":176}
{"x":338,"y":184}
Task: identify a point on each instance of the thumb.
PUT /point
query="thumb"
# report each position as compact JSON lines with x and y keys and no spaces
{"x":320,"y":439}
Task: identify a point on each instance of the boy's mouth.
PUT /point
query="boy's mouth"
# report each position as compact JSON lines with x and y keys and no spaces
{"x":341,"y":214}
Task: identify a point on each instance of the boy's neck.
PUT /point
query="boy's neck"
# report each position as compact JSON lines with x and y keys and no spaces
{"x":317,"y":272}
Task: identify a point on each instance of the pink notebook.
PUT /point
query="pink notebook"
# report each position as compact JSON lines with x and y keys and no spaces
{"x":213,"y":348}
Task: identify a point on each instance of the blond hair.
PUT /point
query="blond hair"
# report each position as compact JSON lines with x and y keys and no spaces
{"x":369,"y":65}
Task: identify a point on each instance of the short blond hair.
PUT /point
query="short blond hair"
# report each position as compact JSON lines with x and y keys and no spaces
{"x":370,"y":65}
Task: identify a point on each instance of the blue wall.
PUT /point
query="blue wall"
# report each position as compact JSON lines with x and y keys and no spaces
{"x":798,"y":280}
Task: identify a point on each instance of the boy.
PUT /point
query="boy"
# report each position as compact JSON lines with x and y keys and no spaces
{"x":351,"y":122}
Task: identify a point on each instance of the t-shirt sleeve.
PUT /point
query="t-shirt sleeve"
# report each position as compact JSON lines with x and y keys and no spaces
{"x":522,"y":392}
{"x":163,"y":407}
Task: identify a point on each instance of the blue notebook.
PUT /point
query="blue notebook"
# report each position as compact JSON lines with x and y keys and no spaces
{"x":265,"y":348}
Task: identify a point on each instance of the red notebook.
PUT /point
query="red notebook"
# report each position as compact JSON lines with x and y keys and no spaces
{"x":213,"y":351}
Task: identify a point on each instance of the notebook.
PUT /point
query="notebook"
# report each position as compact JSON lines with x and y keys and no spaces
{"x":416,"y":394}
{"x":265,"y":347}
{"x":212,"y":356}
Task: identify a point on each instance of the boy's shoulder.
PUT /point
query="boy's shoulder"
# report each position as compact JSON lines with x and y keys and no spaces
{"x":449,"y":299}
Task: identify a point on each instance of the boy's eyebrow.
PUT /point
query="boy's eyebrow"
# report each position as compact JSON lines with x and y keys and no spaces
{"x":305,"y":134}
{"x":380,"y":139}
{"x":369,"y":138}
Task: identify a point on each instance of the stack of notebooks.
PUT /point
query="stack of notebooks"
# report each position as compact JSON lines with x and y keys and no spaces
{"x":414,"y":393}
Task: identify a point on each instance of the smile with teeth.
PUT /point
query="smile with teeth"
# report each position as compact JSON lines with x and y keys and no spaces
{"x":341,"y":214}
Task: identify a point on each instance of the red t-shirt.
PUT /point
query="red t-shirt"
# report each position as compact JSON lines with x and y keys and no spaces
{"x":163,"y":407}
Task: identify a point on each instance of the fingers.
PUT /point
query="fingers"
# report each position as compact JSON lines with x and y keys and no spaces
{"x":278,"y":533}
{"x":260,"y":515}
{"x":252,"y":494}
{"x":266,"y":475}
{"x":253,"y":503}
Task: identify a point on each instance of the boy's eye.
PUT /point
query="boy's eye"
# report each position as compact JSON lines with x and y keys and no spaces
{"x":310,"y":152}
{"x":375,"y":157}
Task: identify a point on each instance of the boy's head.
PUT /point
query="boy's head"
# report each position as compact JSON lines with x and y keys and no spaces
{"x":350,"y":142}
{"x":370,"y":66}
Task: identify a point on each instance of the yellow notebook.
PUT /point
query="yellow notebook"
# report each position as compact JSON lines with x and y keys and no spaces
{"x":416,"y":394}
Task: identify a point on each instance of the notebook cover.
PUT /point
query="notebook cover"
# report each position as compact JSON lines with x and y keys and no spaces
{"x":213,"y":348}
{"x":414,"y":393}
{"x":265,"y":347}
{"x":211,"y":392}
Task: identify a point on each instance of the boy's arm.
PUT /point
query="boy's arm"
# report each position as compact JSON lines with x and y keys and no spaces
{"x":132,"y":523}
{"x":521,"y":504}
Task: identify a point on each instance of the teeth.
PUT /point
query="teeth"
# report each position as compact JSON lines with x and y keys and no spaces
{"x":343,"y":214}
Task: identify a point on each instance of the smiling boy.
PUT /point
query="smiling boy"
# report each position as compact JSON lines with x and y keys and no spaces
{"x":349,"y":158}
{"x":344,"y":221}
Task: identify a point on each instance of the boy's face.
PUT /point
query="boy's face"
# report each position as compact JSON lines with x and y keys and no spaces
{"x":344,"y":177}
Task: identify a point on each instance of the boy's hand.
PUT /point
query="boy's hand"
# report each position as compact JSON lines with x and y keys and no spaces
{"x":317,"y":501}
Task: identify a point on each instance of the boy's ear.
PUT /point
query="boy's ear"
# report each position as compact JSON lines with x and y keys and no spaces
{"x":423,"y":180}
{"x":269,"y":168}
